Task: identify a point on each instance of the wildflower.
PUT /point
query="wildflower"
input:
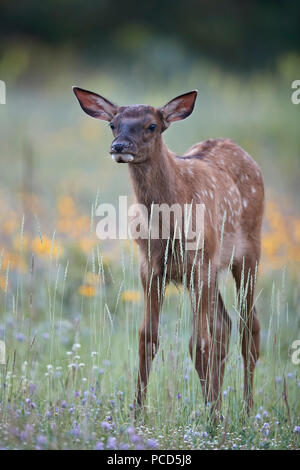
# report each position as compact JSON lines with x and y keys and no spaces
{"x":3,"y":283}
{"x":76,"y":429}
{"x":32,"y":388}
{"x":105,"y":426}
{"x":64,"y":404}
{"x":258,"y":417}
{"x":124,"y":446}
{"x":66,"y":207}
{"x":87,"y":290}
{"x":45,"y":247}
{"x":41,"y":440}
{"x":111,"y":443}
{"x":99,"y":446}
{"x":20,"y":337}
{"x":135,"y":438}
{"x":131,"y":296}
{"x":178,"y":396}
{"x":152,"y":443}
{"x":76,"y":346}
{"x":297,"y":429}
{"x":86,"y":244}
{"x":265,"y":429}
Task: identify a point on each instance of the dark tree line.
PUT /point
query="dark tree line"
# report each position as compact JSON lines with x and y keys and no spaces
{"x":242,"y":33}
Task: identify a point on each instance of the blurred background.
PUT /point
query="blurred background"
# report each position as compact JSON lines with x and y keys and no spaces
{"x":54,"y":161}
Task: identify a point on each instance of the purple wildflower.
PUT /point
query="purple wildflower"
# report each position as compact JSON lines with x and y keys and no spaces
{"x":32,"y":388}
{"x":20,"y":337}
{"x":124,"y":446}
{"x":111,"y":443}
{"x":105,"y":426}
{"x":265,"y":429}
{"x":41,"y":440}
{"x":99,"y":446}
{"x":152,"y":443}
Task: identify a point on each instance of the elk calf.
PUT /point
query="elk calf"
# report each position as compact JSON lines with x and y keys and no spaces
{"x":222,"y":176}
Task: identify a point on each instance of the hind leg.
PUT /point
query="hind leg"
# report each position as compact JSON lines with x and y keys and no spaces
{"x":223,"y":332}
{"x":244,"y":274}
{"x":209,"y":342}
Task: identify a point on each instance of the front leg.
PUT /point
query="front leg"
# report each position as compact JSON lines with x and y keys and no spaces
{"x":148,"y":333}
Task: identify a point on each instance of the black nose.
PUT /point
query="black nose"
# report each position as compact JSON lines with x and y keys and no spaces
{"x":118,"y":147}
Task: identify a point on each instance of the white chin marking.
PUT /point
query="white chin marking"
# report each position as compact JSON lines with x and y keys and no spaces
{"x":122,"y":157}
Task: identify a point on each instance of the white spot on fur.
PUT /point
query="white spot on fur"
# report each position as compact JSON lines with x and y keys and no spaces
{"x":245,"y":202}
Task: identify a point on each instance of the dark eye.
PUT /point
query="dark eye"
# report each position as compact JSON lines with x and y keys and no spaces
{"x":112,"y":126}
{"x":152,"y":127}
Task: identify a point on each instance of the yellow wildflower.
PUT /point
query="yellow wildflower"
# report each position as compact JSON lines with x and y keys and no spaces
{"x":131,"y":296}
{"x":66,"y":207}
{"x":45,"y":247}
{"x":87,"y":291}
{"x":3,"y":285}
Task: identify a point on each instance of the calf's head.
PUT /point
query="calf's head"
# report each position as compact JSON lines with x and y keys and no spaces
{"x":136,"y":128}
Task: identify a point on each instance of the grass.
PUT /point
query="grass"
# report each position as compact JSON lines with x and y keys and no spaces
{"x":70,"y":306}
{"x":69,"y":379}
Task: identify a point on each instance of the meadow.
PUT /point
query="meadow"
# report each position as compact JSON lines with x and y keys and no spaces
{"x":70,"y":304}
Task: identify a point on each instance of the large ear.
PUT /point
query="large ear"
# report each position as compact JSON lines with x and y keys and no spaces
{"x":95,"y":105}
{"x":179,"y":108}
